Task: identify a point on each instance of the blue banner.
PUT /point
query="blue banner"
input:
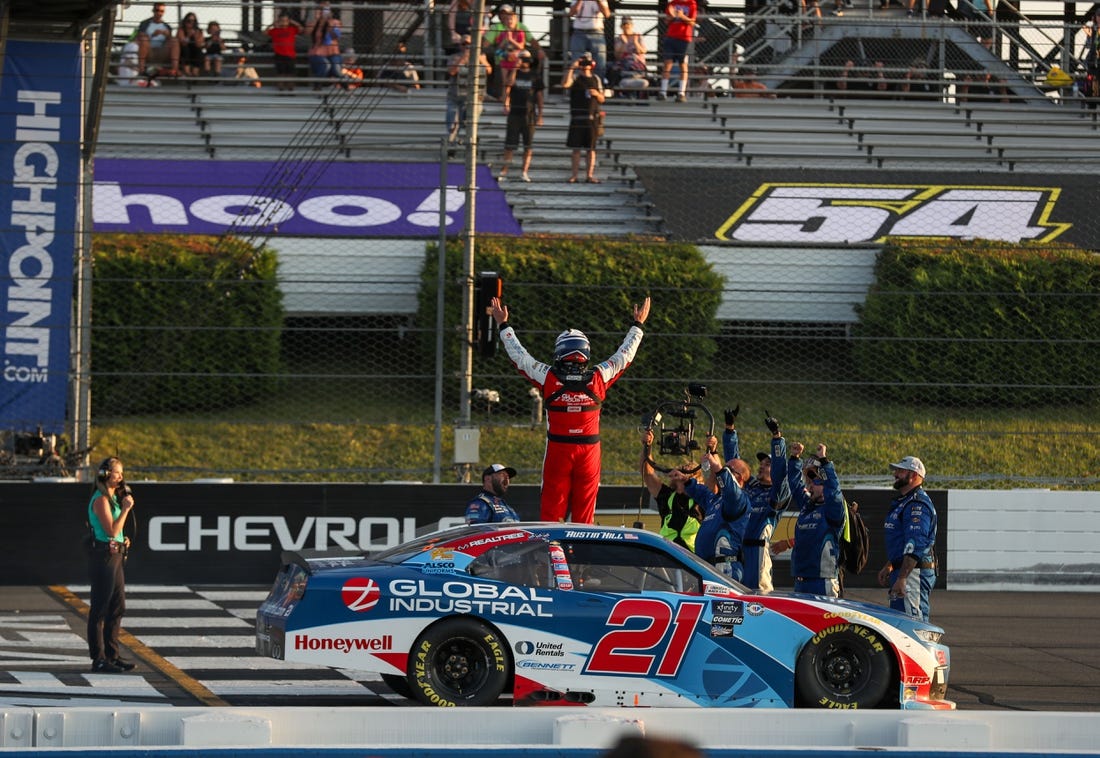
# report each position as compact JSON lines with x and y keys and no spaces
{"x":39,"y":171}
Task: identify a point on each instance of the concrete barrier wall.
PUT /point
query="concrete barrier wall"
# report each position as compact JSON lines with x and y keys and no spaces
{"x":989,"y":539}
{"x":546,"y":731}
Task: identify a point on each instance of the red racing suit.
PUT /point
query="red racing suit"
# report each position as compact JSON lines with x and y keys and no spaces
{"x":571,"y":467}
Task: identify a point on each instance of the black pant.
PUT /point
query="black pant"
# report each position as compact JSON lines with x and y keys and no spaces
{"x":108,"y":603}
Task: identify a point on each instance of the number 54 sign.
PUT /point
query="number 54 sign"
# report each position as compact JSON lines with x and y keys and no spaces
{"x":854,"y":213}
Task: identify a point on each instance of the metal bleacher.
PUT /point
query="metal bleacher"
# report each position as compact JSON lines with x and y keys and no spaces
{"x":822,"y":127}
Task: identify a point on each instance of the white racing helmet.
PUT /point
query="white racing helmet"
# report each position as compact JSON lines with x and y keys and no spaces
{"x":572,"y":347}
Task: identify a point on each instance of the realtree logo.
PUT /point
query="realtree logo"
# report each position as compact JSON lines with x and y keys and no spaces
{"x":839,"y":213}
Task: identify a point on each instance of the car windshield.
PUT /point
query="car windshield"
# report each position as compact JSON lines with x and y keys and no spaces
{"x":406,"y":550}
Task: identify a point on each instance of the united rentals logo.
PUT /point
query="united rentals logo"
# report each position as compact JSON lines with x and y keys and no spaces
{"x":824,"y":213}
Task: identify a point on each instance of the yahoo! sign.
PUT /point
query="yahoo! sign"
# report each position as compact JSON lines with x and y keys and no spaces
{"x":331,"y":199}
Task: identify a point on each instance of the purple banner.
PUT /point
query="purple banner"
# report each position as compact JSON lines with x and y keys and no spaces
{"x":300,"y":199}
{"x":40,"y":180}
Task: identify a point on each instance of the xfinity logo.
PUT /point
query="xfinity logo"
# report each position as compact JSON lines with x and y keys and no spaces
{"x":849,"y":213}
{"x":266,"y":533}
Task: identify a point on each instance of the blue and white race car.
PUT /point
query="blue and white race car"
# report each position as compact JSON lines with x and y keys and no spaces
{"x":589,"y":615}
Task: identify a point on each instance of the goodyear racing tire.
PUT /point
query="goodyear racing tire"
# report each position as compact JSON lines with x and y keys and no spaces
{"x":459,"y":661}
{"x":843,"y":666}
{"x":399,"y":685}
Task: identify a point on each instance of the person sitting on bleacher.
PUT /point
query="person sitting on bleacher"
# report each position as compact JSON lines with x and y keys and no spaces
{"x":156,"y":43}
{"x":399,"y":71}
{"x":129,"y":75}
{"x":212,"y":53}
{"x":745,"y":84}
{"x":191,"y":45}
{"x":628,"y":71}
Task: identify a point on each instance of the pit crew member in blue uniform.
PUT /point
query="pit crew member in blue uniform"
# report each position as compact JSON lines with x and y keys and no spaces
{"x":725,"y":508}
{"x":911,"y":526}
{"x":769,"y":495}
{"x":815,"y":547}
{"x":488,"y":506}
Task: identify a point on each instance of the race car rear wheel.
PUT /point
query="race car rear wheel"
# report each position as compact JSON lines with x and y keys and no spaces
{"x":459,"y":661}
{"x":843,"y":666}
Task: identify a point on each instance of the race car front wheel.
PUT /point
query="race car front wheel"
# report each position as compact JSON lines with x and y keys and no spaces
{"x":459,"y":661}
{"x":843,"y":666}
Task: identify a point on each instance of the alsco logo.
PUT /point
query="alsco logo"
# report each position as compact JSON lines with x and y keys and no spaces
{"x":852,"y":213}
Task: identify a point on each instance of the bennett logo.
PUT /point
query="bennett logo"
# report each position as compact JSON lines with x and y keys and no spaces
{"x":848,"y":213}
{"x":360,"y":594}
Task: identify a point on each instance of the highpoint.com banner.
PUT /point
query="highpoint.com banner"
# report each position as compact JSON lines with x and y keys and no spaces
{"x":39,"y":171}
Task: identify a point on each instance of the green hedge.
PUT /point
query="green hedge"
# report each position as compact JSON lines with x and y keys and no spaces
{"x":981,"y":323}
{"x":589,"y":284}
{"x":182,"y":323}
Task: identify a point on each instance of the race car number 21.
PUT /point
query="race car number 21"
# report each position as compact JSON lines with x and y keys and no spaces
{"x":655,"y":648}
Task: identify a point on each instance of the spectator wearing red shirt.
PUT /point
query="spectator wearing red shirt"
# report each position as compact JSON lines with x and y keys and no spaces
{"x":282,"y":34}
{"x":681,"y":16}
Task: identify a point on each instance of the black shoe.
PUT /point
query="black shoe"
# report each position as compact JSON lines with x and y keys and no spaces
{"x":102,"y":666}
{"x":123,"y":664}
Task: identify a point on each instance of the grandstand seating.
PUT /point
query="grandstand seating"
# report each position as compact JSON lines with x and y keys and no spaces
{"x":816,"y":127}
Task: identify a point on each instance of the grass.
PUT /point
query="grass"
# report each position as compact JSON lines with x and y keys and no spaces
{"x":991,"y":448}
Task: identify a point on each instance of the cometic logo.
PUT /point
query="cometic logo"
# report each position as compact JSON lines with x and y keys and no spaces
{"x":360,"y":594}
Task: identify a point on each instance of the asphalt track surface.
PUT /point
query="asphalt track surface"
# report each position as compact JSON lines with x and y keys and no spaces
{"x":1028,"y":651}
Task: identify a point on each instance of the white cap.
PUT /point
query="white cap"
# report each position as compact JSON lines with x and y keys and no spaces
{"x":910,"y":463}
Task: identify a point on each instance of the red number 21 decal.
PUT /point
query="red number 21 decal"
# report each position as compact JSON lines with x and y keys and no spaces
{"x":633,"y":651}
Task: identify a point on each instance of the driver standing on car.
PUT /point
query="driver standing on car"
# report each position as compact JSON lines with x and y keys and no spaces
{"x":488,"y":506}
{"x":572,"y":392}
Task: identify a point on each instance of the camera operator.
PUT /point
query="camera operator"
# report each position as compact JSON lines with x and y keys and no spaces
{"x":111,"y":505}
{"x":768,"y":493}
{"x":585,"y":98}
{"x":680,"y":515}
{"x":725,"y":505}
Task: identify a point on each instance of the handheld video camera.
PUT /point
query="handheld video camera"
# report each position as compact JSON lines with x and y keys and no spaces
{"x":673,"y":424}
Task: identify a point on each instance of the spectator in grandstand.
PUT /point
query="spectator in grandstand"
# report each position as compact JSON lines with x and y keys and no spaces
{"x":681,"y":17}
{"x":585,"y":98}
{"x":399,"y":72}
{"x":191,"y":43}
{"x":1090,"y":54}
{"x":458,"y":86}
{"x":324,"y":51}
{"x":981,"y":87}
{"x":920,"y":82}
{"x":628,"y":71}
{"x":503,"y":44}
{"x":768,"y":494}
{"x":157,"y":44}
{"x":523,"y":103}
{"x":745,"y":84}
{"x":979,"y":19}
{"x":588,"y":37}
{"x":212,"y":52}
{"x":128,"y":73}
{"x":351,"y":76}
{"x":247,"y":74}
{"x":681,"y":516}
{"x":911,"y":526}
{"x":488,"y":506}
{"x":865,"y":79}
{"x":815,"y":546}
{"x":460,"y":23}
{"x":283,"y":33}
{"x":725,"y":508}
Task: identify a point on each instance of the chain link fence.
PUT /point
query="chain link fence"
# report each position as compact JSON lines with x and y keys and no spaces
{"x":875,"y":350}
